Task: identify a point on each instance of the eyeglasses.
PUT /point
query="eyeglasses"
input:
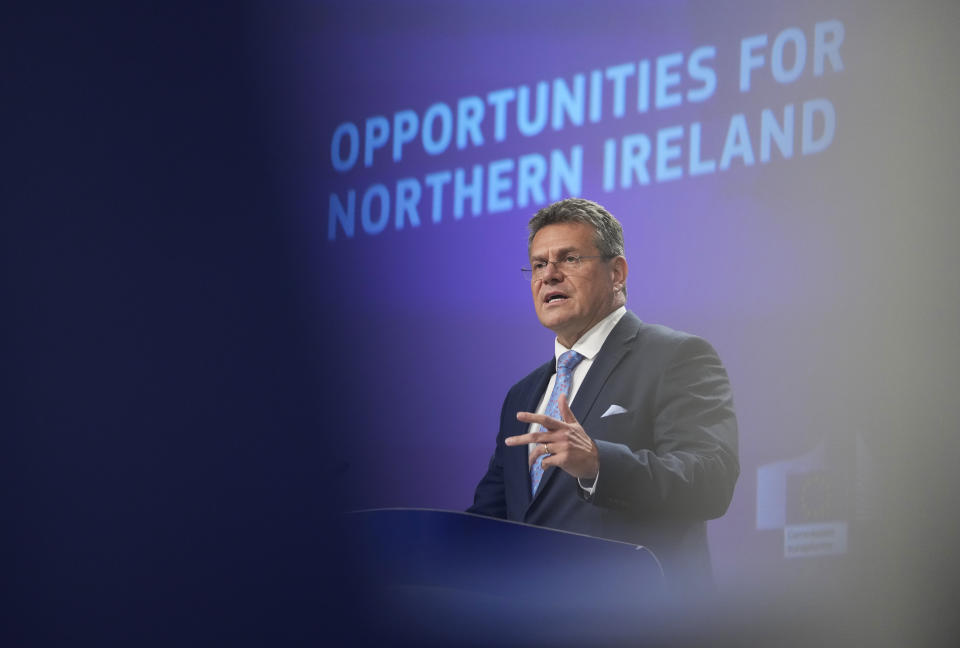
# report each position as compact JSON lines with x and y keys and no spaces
{"x":569,"y":264}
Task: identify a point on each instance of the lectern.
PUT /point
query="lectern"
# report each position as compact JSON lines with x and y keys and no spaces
{"x":446,"y":577}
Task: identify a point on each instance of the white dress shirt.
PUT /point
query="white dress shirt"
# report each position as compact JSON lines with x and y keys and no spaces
{"x":588,"y":346}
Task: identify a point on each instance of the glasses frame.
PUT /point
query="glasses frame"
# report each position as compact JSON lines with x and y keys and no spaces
{"x":576,"y":261}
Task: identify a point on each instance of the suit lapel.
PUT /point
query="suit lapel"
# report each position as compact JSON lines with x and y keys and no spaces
{"x":614,"y":348}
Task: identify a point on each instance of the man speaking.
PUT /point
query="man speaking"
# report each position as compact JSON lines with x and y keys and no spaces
{"x":628,"y":432}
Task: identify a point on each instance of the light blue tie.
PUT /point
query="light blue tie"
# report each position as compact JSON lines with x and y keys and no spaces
{"x":568,"y":360}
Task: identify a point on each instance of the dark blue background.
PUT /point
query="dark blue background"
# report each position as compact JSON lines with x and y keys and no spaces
{"x":165,"y":387}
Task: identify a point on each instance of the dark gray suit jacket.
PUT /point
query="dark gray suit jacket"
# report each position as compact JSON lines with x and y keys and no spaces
{"x":667,"y":464}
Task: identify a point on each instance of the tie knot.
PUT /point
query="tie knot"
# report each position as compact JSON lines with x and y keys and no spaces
{"x":568,"y":360}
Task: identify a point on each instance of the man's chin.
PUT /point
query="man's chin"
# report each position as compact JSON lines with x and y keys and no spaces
{"x":551,"y":321}
{"x":559,"y":329}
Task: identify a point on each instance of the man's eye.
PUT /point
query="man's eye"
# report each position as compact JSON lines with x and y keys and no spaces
{"x":539,"y":265}
{"x":570,"y":259}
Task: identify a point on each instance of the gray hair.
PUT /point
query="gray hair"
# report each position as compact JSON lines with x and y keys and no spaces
{"x":608,"y":234}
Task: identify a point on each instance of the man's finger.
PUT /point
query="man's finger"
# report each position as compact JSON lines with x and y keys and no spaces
{"x":546,"y":421}
{"x":538,"y":449}
{"x":521,"y":439}
{"x":565,"y":412}
{"x":532,"y":437}
{"x":554,"y":459}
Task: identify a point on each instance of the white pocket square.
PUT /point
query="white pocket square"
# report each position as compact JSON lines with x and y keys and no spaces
{"x":613,"y":409}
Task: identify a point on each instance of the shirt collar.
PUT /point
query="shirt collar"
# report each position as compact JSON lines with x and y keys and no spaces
{"x":590,"y":342}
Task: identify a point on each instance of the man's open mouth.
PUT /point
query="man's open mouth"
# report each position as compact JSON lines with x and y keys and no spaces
{"x":554,"y":297}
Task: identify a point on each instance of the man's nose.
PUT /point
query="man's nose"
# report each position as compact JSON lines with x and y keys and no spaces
{"x":552,"y":273}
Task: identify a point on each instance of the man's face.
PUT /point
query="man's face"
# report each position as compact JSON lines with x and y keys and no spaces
{"x":569,"y":304}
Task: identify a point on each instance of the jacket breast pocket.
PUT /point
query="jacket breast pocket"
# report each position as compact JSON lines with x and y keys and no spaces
{"x":623,"y":427}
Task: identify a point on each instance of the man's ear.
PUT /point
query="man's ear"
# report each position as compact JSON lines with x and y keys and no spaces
{"x":619,"y":269}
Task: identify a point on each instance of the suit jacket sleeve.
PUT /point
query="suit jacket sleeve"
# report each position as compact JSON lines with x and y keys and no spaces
{"x":686,"y":464}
